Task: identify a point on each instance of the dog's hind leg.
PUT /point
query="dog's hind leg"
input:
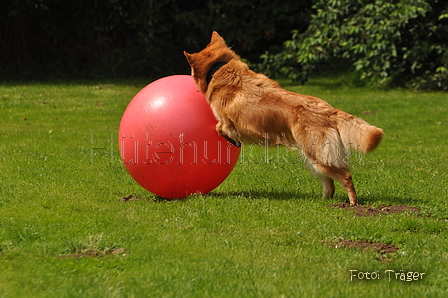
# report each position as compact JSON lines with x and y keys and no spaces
{"x":326,"y":157}
{"x":327,"y":186}
{"x":327,"y":174}
{"x":342,"y":176}
{"x":327,"y":182}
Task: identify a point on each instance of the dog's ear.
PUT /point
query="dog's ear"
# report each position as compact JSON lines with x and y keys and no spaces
{"x":189,"y":57}
{"x":216,"y":38}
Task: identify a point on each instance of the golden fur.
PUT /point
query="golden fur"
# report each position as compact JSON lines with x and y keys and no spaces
{"x":250,"y":108}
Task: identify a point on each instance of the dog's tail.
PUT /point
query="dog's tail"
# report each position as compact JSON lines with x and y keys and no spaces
{"x":359,"y":135}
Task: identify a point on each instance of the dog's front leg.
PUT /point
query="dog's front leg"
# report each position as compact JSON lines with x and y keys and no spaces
{"x":229,"y":132}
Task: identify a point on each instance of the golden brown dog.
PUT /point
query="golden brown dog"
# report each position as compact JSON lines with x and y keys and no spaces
{"x":251,"y":107}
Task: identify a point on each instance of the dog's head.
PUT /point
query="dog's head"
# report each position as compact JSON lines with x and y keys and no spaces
{"x":207,"y":59}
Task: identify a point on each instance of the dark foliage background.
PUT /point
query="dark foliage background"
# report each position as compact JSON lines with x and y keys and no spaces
{"x":397,"y":42}
{"x":129,"y":38}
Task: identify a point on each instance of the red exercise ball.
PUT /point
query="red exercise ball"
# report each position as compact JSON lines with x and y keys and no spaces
{"x":168,"y":142}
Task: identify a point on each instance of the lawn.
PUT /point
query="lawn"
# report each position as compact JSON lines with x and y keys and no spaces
{"x":265,"y":232}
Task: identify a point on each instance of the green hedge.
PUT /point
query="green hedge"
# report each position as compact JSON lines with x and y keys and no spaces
{"x":400,"y":42}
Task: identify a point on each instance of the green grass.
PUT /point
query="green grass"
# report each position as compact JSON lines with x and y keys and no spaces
{"x":64,"y":232}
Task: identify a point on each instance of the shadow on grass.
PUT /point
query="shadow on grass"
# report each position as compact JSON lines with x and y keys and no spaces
{"x":341,"y":198}
{"x":381,"y":200}
{"x":389,"y":200}
{"x":262,"y":194}
{"x":231,"y":195}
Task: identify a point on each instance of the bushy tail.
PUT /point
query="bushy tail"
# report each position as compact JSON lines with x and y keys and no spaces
{"x":359,"y":135}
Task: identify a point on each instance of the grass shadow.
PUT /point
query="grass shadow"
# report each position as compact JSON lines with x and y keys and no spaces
{"x":382,"y":200}
{"x":342,"y":198}
{"x":389,"y":200}
{"x":262,"y":194}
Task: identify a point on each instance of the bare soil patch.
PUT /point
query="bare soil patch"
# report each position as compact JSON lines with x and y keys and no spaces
{"x":367,"y":210}
{"x":131,"y":198}
{"x":94,"y":253}
{"x":378,"y":247}
{"x":383,"y":249}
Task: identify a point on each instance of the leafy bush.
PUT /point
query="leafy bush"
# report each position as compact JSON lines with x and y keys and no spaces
{"x":388,"y":42}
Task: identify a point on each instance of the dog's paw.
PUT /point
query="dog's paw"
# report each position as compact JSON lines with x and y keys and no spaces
{"x":236,"y":143}
{"x":232,"y":141}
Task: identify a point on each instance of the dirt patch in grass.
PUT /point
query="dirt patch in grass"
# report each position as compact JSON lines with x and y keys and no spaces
{"x":367,"y":210}
{"x":378,"y":247}
{"x":131,"y":198}
{"x":383,"y":249}
{"x":94,"y":253}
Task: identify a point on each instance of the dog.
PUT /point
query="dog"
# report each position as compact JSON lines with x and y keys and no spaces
{"x":251,"y":108}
